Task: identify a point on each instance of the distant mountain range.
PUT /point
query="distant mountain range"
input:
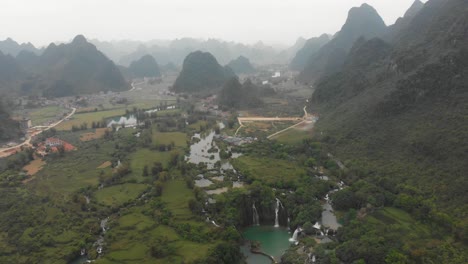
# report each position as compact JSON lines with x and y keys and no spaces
{"x":13,"y":48}
{"x":61,"y":70}
{"x":201,"y":71}
{"x":174,"y":51}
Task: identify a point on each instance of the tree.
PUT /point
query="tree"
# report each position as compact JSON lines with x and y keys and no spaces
{"x":395,"y":257}
{"x":156,"y":169}
{"x":225,"y":253}
{"x":158,"y":188}
{"x":61,"y":150}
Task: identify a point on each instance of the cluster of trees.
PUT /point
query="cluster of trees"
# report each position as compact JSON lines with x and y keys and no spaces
{"x":83,"y":126}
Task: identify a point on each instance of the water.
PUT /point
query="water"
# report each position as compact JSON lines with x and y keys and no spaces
{"x":158,"y":109}
{"x":104,"y":224}
{"x":237,"y":184}
{"x":203,"y":183}
{"x":199,"y":151}
{"x":123,"y":120}
{"x":252,"y":258}
{"x":217,"y":191}
{"x":218,"y":178}
{"x":273,"y":241}
{"x":328,"y":217}
{"x":79,"y":260}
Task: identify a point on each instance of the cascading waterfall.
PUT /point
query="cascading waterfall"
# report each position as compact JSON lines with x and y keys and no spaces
{"x":278,"y":204}
{"x":255,"y":218}
{"x":214,"y":223}
{"x":104,"y":224}
{"x":295,"y":234}
{"x":289,"y":220}
{"x":317,"y":225}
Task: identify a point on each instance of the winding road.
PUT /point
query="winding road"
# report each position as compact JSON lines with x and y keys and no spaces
{"x":30,"y":136}
{"x":272,"y":119}
{"x":133,"y":85}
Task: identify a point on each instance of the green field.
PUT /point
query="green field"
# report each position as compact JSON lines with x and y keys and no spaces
{"x":166,"y":138}
{"x":78,"y":119}
{"x":116,"y":195}
{"x":268,"y":170}
{"x":176,"y":195}
{"x":293,"y":136}
{"x":135,"y":221}
{"x":41,"y":116}
{"x":147,"y":157}
{"x":198,"y":124}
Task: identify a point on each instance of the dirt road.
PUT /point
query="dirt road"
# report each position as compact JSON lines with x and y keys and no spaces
{"x":29,"y":138}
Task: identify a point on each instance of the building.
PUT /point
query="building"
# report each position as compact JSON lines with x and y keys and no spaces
{"x":24,"y":123}
{"x":53,"y":142}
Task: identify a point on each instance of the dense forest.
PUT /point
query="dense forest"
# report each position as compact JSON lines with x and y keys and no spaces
{"x":235,"y":95}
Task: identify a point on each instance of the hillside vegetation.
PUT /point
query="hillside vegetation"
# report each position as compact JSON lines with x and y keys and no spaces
{"x":396,"y":115}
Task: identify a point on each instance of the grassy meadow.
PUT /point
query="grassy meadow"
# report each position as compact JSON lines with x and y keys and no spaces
{"x":43,"y":115}
{"x":268,"y":170}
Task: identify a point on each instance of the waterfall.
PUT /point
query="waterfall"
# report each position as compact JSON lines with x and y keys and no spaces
{"x":214,"y":223}
{"x":277,"y":209}
{"x":276,"y":212}
{"x":295,"y":234}
{"x":316,"y":225}
{"x":255,"y":218}
{"x":289,"y":220}
{"x":104,"y":224}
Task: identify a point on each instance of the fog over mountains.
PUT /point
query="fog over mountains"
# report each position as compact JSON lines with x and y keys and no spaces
{"x":61,"y":70}
{"x":348,"y":147}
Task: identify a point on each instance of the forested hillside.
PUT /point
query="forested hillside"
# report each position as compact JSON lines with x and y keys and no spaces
{"x":201,"y":71}
{"x":396,"y":115}
{"x":9,"y":129}
{"x":146,"y":66}
{"x":363,"y":21}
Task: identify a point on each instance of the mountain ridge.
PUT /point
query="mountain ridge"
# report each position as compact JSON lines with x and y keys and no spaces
{"x":361,"y":21}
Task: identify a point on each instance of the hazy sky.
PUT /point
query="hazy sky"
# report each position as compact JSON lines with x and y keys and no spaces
{"x":248,"y":21}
